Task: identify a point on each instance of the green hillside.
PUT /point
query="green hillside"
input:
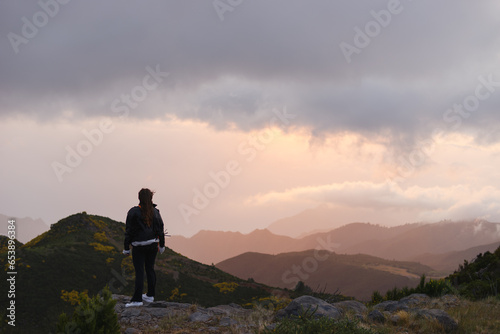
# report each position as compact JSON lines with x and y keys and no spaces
{"x":84,"y":253}
{"x":479,"y":278}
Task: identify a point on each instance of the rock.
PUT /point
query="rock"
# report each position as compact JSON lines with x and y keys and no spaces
{"x":209,"y":329}
{"x":352,"y":305}
{"x":415,"y":299}
{"x":449,"y":324}
{"x":199,"y":317}
{"x":159,"y":312}
{"x":311,"y":304}
{"x":131,"y":331}
{"x":226,"y":322}
{"x":170,"y":305}
{"x":226,"y":310}
{"x":131,"y":312}
{"x":376,"y":316}
{"x":447,"y":301}
{"x":236,"y":306}
{"x":391,"y":306}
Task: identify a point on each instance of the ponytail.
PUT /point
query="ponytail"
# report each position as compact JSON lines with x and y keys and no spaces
{"x":146,"y":204}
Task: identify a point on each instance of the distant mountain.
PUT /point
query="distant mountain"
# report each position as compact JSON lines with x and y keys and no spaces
{"x":26,"y":228}
{"x":84,"y":253}
{"x":354,"y":275}
{"x":214,"y":246}
{"x":354,"y":235}
{"x":306,"y":222}
{"x":404,"y":243}
{"x":448,"y":262}
{"x":433,"y":238}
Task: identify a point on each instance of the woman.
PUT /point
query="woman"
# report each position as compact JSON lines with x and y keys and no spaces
{"x":144,"y":231}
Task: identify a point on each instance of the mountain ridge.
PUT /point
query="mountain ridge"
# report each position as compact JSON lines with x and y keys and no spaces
{"x":354,"y":275}
{"x":403,"y":242}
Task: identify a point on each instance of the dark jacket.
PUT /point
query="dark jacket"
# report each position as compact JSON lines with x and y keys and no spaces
{"x":137,"y":230}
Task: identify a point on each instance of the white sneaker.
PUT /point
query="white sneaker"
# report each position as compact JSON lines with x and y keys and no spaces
{"x":148,"y":299}
{"x":132,"y":304}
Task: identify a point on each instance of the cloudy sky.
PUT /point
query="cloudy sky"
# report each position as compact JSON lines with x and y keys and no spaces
{"x":241,"y":112}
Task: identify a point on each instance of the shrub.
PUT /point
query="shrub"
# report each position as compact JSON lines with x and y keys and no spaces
{"x":432,"y":288}
{"x":100,"y":247}
{"x":73,"y":297}
{"x":93,"y":315}
{"x":226,"y":287}
{"x":479,"y":278}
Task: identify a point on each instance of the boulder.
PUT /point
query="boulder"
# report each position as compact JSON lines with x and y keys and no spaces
{"x":199,"y":317}
{"x":415,"y":299}
{"x":227,"y":321}
{"x":351,"y":305}
{"x":311,"y":304}
{"x":391,"y":306}
{"x":376,"y":316}
{"x":449,"y":324}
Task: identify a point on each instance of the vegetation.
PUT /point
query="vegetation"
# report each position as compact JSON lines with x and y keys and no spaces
{"x":480,"y":278}
{"x":93,"y":315}
{"x":302,"y":289}
{"x":476,"y":280}
{"x":432,"y":288}
{"x":477,"y":316}
{"x":307,"y":323}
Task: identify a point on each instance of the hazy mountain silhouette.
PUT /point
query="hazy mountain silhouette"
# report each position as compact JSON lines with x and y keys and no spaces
{"x":405,"y":243}
{"x":354,"y":275}
{"x":26,"y":228}
{"x":214,"y":246}
{"x":434,"y":238}
{"x":356,"y":234}
{"x":447,"y":262}
{"x":321,"y":218}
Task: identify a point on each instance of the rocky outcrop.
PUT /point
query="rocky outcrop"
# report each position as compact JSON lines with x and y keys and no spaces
{"x":448,"y":323}
{"x":234,"y":318}
{"x":317,"y":307}
{"x":176,"y":315}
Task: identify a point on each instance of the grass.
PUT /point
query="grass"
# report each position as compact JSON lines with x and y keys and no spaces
{"x":478,"y":316}
{"x":308,"y":325}
{"x":172,"y":324}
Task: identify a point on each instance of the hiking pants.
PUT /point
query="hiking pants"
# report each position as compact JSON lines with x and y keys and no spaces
{"x":144,"y":257}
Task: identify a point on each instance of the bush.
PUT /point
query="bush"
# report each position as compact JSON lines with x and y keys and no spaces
{"x":93,"y":315}
{"x":479,"y":278}
{"x":432,"y":288}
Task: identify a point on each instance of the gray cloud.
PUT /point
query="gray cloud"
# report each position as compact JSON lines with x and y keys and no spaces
{"x":264,"y":54}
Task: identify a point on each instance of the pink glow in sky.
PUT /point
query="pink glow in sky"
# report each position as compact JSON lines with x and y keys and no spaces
{"x":385,"y":111}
